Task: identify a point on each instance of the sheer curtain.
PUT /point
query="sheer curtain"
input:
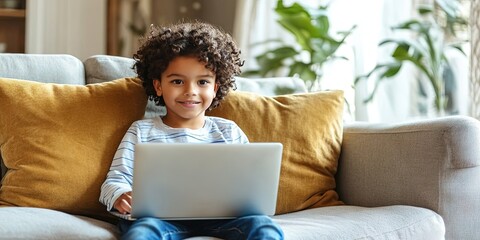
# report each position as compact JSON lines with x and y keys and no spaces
{"x":255,"y":22}
{"x":474,"y":59}
{"x":394,"y":101}
{"x":66,"y":27}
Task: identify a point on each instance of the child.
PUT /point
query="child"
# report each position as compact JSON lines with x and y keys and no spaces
{"x":188,"y":68}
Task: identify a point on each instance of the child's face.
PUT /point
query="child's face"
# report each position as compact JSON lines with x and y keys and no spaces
{"x":188,"y":88}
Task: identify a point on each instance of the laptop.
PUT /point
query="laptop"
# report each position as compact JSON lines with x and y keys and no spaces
{"x":205,"y":181}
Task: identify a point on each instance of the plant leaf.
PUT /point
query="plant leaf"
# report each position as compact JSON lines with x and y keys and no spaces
{"x":392,"y":70}
{"x":250,"y":73}
{"x":424,"y":9}
{"x":303,"y":70}
{"x":401,"y":52}
{"x":451,"y":8}
{"x":458,"y":47}
{"x":273,"y":60}
{"x":377,"y":68}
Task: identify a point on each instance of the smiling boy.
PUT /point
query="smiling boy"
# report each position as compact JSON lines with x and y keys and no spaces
{"x":189,"y":69}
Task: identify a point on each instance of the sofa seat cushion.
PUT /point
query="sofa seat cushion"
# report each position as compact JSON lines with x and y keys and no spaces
{"x":40,"y":223}
{"x":351,"y":222}
{"x":329,"y":223}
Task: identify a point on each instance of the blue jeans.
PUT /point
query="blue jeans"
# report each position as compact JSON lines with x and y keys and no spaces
{"x":248,"y":227}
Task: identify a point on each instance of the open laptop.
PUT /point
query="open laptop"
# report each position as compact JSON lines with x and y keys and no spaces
{"x":205,"y":181}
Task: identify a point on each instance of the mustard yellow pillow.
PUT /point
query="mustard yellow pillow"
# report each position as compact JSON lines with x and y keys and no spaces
{"x":310,"y":128}
{"x":58,"y":141}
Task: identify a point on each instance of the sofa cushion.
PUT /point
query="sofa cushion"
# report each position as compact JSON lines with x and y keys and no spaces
{"x":310,"y":128}
{"x":39,"y":223}
{"x":102,"y":68}
{"x":51,"y":68}
{"x":270,"y":86}
{"x":350,"y":222}
{"x":58,"y":141}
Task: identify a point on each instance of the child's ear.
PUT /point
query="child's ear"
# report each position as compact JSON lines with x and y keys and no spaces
{"x":215,"y":88}
{"x":157,"y":86}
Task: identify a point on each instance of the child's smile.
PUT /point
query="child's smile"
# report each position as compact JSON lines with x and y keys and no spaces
{"x":189,"y":104}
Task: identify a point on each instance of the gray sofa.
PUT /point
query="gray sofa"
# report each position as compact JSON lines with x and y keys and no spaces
{"x":411,"y":180}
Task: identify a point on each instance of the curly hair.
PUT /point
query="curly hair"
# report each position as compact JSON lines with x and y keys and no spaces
{"x":209,"y":44}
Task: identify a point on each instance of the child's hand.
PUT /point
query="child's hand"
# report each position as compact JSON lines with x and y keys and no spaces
{"x":123,"y":204}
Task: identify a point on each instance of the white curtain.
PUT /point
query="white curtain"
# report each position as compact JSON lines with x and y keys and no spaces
{"x":255,"y":22}
{"x":66,"y":27}
{"x":474,"y":59}
{"x":396,"y":98}
{"x":393,"y":100}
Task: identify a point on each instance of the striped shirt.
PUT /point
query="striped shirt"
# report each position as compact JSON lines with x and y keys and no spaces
{"x":120,"y":177}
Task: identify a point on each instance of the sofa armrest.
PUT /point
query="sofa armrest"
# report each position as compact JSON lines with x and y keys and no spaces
{"x":430,"y":163}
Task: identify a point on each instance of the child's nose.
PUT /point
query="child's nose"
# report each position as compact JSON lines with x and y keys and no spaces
{"x":191,"y":90}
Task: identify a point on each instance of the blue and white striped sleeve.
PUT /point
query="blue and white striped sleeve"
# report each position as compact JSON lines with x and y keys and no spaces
{"x":120,"y":176}
{"x":238,"y":136}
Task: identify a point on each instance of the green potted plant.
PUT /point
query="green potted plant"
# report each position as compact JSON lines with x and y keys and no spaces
{"x":434,"y":33}
{"x":316,"y":45}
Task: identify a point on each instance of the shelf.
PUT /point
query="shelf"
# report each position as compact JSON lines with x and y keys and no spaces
{"x":12,"y":29}
{"x":14,"y":13}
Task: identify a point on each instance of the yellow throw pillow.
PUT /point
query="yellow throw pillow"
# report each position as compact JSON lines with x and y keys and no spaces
{"x":58,"y":141}
{"x":310,"y":128}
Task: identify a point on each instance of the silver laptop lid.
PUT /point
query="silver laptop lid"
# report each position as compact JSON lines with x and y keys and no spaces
{"x":205,"y":181}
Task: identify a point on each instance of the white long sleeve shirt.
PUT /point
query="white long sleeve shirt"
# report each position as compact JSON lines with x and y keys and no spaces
{"x":120,"y":177}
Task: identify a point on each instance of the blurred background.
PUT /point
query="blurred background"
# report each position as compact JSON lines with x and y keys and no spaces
{"x":354,"y":29}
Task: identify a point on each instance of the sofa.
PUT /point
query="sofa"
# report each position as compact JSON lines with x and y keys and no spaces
{"x":410,"y":180}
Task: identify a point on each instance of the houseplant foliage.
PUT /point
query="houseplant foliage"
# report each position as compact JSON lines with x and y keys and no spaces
{"x":433,"y":34}
{"x":315,"y":44}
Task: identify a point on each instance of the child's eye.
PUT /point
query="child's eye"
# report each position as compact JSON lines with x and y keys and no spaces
{"x":177,"y":81}
{"x":203,"y":82}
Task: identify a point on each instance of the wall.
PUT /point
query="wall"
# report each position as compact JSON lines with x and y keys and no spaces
{"x":217,"y":12}
{"x":66,"y":27}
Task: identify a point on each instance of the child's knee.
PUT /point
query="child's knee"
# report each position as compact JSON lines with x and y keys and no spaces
{"x":264,"y":226}
{"x":154,"y":228}
{"x":259,"y":220}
